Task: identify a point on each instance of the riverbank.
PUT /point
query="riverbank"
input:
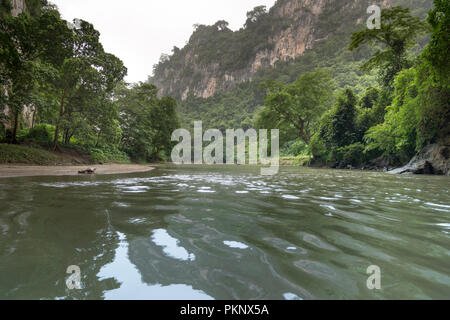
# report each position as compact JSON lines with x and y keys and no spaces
{"x":10,"y":171}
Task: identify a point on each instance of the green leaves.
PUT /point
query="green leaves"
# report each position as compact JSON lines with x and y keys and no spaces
{"x":398,"y":32}
{"x":147,"y":122}
{"x":301,"y":103}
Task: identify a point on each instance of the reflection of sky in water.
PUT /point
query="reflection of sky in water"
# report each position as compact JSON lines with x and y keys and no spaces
{"x":291,"y":296}
{"x":235,"y":245}
{"x":171,"y":246}
{"x":132,"y":286}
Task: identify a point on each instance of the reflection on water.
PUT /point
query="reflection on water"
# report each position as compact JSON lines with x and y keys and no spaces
{"x":131,"y":285}
{"x":235,"y":244}
{"x":225,"y":233}
{"x":170,"y":245}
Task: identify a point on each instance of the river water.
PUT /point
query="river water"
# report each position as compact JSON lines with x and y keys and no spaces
{"x":226,"y":232}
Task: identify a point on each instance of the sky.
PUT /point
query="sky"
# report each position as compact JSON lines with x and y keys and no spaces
{"x":139,"y":31}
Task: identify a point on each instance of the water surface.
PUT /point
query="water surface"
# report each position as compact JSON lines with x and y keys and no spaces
{"x":225,"y":232}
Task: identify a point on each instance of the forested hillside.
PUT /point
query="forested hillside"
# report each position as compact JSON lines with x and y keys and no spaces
{"x":217,"y":76}
{"x":340,"y":93}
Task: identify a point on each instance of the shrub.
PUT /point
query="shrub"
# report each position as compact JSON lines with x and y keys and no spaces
{"x":109,"y":154}
{"x":353,"y":154}
{"x":294,"y":148}
{"x":40,"y":134}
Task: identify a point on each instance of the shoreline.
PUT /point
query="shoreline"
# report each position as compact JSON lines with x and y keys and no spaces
{"x":15,"y":170}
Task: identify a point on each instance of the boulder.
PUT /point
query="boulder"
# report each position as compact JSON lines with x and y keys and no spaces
{"x":433,"y":159}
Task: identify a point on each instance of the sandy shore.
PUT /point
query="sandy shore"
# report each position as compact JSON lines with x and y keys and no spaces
{"x":8,"y":171}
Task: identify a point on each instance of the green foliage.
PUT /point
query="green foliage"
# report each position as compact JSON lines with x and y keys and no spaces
{"x":108,"y":154}
{"x":343,"y":120}
{"x":397,"y":135}
{"x":419,"y":113}
{"x":341,"y":130}
{"x":295,"y":148}
{"x":353,"y":155}
{"x":147,"y":122}
{"x":69,"y":80}
{"x":41,"y":135}
{"x":26,"y":155}
{"x":298,"y":106}
{"x":439,"y":47}
{"x":397,"y":34}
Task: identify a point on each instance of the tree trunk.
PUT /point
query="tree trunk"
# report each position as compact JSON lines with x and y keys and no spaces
{"x":34,"y":117}
{"x":98,"y":138}
{"x":58,"y":123}
{"x":16,"y":125}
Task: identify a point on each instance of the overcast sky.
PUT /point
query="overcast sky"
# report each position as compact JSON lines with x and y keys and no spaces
{"x":139,"y":31}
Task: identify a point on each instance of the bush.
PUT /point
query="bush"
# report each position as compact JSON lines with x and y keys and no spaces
{"x":109,"y":154}
{"x":294,"y":148}
{"x":318,"y":148}
{"x":41,"y":134}
{"x":353,"y":154}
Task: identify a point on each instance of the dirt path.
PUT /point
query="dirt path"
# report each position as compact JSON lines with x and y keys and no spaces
{"x":8,"y":171}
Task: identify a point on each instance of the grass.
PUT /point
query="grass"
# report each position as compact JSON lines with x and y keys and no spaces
{"x":26,"y":155}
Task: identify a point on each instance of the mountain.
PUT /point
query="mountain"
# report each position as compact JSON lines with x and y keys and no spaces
{"x":218,"y":72}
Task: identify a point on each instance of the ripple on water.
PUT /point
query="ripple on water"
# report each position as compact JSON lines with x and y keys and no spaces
{"x":290,"y":197}
{"x":133,"y":189}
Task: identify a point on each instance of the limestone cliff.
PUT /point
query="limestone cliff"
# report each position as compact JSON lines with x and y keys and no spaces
{"x":297,"y":26}
{"x":18,"y":6}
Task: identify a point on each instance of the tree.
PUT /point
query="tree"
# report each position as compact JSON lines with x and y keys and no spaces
{"x":222,"y":25}
{"x":397,"y":34}
{"x":343,"y":120}
{"x":147,"y":122}
{"x":301,"y":103}
{"x":255,"y":14}
{"x":439,"y":47}
{"x":29,"y":48}
{"x":86,"y":75}
{"x":18,"y":53}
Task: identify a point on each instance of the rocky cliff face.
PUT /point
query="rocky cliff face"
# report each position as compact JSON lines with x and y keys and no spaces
{"x":18,"y":6}
{"x":302,"y":20}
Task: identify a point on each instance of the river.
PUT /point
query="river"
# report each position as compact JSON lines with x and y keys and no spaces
{"x":226,"y":232}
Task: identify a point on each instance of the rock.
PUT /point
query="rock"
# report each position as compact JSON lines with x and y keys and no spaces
{"x":88,"y":171}
{"x":433,"y":159}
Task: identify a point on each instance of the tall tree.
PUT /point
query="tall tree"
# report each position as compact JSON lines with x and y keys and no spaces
{"x":84,"y":76}
{"x":397,"y":34}
{"x":147,"y":122}
{"x":343,"y":120}
{"x":28,"y":49}
{"x":301,"y":103}
{"x":439,"y":46}
{"x":18,"y":53}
